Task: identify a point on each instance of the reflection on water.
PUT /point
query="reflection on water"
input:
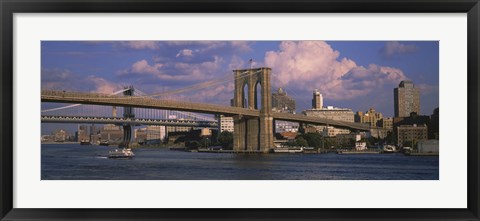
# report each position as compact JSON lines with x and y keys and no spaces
{"x":76,"y":162}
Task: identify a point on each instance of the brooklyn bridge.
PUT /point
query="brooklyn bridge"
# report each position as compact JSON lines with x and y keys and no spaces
{"x":253,"y":117}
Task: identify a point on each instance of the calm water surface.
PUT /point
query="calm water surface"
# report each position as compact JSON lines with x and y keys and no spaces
{"x":76,"y":162}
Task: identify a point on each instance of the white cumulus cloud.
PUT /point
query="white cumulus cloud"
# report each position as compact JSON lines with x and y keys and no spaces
{"x":309,"y":65}
{"x":174,"y":71}
{"x":140,"y":44}
{"x":185,"y":53}
{"x":102,"y":85}
{"x":392,"y":48}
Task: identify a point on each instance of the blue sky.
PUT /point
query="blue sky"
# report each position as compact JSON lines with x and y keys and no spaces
{"x":349,"y":74}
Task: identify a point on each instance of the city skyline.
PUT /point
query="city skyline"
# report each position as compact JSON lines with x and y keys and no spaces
{"x":356,"y":75}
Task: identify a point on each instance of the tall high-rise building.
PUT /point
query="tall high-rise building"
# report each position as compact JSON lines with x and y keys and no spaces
{"x":317,"y":101}
{"x":225,"y":123}
{"x":281,"y":102}
{"x":407,"y":99}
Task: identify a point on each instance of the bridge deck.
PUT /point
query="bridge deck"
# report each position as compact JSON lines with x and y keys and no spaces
{"x":131,"y":121}
{"x":143,"y":102}
{"x":146,"y":102}
{"x":322,"y":121}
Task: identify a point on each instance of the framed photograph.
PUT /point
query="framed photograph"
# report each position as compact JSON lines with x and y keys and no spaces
{"x":239,"y":110}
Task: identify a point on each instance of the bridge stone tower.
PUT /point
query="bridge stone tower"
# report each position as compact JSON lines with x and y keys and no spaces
{"x":252,"y":133}
{"x":128,"y":112}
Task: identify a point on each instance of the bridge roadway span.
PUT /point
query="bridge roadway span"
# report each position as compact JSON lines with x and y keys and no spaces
{"x":130,"y":121}
{"x":147,"y":102}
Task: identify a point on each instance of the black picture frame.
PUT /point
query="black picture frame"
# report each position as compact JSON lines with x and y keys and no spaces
{"x":9,"y":7}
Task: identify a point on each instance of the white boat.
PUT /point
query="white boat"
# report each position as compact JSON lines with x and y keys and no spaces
{"x":121,"y":154}
{"x":389,"y":149}
{"x":406,"y":150}
{"x":288,"y":150}
{"x":360,"y":146}
{"x":85,"y":142}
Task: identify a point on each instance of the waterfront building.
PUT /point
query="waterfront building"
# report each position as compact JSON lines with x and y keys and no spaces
{"x":94,"y":134}
{"x":59,"y":135}
{"x":386,"y":123}
{"x":225,"y":123}
{"x":48,"y":138}
{"x":178,"y":129}
{"x":140,"y":135}
{"x":155,"y":134}
{"x":379,"y":132}
{"x":113,"y":127}
{"x":94,"y":130}
{"x":329,"y":131}
{"x":332,"y":113}
{"x":370,"y":117}
{"x":411,"y":134}
{"x":288,"y":135}
{"x":281,"y":139}
{"x":111,"y":133}
{"x":286,"y":126}
{"x":281,"y":102}
{"x":380,"y":126}
{"x":346,"y":140}
{"x":82,"y":133}
{"x":317,"y":100}
{"x":413,"y":118}
{"x":329,"y":112}
{"x":406,"y":99}
{"x":205,"y":132}
{"x":311,"y":129}
{"x":428,"y":146}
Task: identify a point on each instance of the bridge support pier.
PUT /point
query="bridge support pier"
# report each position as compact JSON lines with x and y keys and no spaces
{"x":128,"y":112}
{"x":256,"y":133}
{"x":266,"y":133}
{"x":252,"y":135}
{"x":127,"y":136}
{"x":239,"y":133}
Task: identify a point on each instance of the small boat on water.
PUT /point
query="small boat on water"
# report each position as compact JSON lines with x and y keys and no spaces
{"x":85,"y":142}
{"x":360,"y":148}
{"x":287,"y":150}
{"x":407,"y":150}
{"x":104,"y":143}
{"x":121,"y":154}
{"x":358,"y":151}
{"x":389,"y":149}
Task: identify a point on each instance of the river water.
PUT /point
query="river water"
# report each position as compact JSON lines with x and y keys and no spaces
{"x":76,"y":162}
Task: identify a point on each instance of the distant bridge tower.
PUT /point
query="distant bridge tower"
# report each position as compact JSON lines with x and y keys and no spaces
{"x":128,"y":112}
{"x":252,"y":133}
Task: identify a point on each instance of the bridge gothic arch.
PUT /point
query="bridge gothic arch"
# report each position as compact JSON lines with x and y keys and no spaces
{"x":245,"y":100}
{"x":253,"y":133}
{"x":258,"y":93}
